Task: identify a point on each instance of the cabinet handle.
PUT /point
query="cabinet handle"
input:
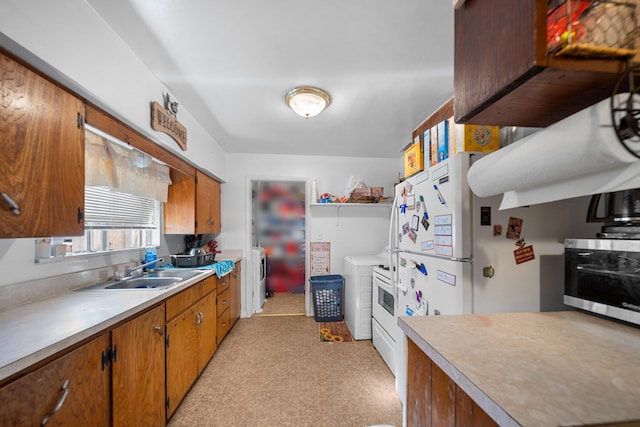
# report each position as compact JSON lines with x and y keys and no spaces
{"x":224,"y":324}
{"x":158,"y":329}
{"x":65,"y":392}
{"x":13,"y":207}
{"x":224,"y":302}
{"x":210,"y":221}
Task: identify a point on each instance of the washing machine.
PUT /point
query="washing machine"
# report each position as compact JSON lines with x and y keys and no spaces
{"x":358,"y":284}
{"x":259,"y":275}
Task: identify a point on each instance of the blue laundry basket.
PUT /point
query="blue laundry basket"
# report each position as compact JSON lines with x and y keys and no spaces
{"x":327,"y":294}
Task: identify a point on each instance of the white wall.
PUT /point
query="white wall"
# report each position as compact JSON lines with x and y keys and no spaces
{"x":358,"y":232}
{"x":68,"y":41}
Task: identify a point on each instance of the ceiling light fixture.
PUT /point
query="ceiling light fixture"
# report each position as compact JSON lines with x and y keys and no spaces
{"x":307,"y":101}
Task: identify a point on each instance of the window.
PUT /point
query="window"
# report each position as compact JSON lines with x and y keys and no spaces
{"x":124,"y":192}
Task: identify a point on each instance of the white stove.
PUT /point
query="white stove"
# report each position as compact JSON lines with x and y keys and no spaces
{"x":384,"y":326}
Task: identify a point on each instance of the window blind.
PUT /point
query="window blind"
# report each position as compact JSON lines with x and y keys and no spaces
{"x":109,"y":209}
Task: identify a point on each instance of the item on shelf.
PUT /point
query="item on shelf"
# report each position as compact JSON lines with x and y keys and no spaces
{"x":592,"y":29}
{"x":327,"y":198}
{"x":413,"y":159}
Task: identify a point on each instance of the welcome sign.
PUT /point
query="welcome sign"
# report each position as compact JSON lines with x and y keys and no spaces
{"x":165,"y":120}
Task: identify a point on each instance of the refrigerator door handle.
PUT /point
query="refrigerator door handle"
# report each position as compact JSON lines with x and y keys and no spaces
{"x":393,"y":246}
{"x":449,"y":258}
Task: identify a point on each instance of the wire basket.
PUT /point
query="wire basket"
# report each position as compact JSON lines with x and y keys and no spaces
{"x":327,"y":293}
{"x":592,"y":28}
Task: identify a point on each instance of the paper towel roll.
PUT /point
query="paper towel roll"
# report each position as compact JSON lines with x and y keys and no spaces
{"x":577,"y":156}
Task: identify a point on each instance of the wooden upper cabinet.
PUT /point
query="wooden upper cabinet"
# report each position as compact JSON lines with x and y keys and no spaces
{"x":179,"y":211}
{"x":504,"y":76}
{"x":193,"y":204}
{"x":73,"y":390}
{"x":139,"y":370}
{"x":42,"y":161}
{"x":207,"y":204}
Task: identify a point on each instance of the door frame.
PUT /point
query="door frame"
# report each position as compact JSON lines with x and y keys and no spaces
{"x":250,"y":179}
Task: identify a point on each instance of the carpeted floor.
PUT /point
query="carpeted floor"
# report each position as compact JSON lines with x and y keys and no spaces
{"x":274,"y":371}
{"x":283,"y":304}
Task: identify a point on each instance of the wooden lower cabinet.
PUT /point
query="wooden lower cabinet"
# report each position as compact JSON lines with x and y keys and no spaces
{"x":418,"y":386}
{"x":191,"y":339}
{"x":181,"y":357}
{"x":139,"y":371}
{"x":73,"y":390}
{"x":206,"y":329}
{"x":223,"y":310}
{"x":135,"y":374}
{"x":434,"y":399}
{"x":235,"y":289}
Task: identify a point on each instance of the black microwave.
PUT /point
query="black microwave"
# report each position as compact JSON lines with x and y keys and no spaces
{"x":603,"y":276}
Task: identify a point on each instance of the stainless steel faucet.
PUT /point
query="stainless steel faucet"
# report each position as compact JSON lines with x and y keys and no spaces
{"x":131,"y":270}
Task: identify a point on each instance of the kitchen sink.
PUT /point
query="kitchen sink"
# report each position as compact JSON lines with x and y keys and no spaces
{"x":144,"y":283}
{"x":182,"y":274}
{"x":159,"y":279}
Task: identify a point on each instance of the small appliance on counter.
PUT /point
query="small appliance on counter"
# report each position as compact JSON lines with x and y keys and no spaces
{"x":620,"y":214}
{"x":603,"y":276}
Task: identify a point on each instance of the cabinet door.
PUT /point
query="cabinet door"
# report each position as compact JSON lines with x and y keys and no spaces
{"x":418,"y":387}
{"x":443,"y":398}
{"x":207,"y":204}
{"x":70,"y":391}
{"x":180,"y":209}
{"x":235,"y":290}
{"x":181,"y":357}
{"x":138,"y":371}
{"x":207,"y":323}
{"x":42,"y":161}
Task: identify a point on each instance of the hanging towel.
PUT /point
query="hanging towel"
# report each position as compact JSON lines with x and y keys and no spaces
{"x":222,"y":268}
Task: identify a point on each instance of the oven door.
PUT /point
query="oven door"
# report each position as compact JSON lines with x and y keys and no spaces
{"x":383,"y":305}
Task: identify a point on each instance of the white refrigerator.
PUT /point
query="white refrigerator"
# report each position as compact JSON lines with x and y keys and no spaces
{"x":458,"y":254}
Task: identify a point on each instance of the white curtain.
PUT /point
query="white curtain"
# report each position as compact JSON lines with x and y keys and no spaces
{"x":124,"y":169}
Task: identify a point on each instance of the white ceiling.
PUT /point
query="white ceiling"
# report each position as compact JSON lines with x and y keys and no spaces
{"x":387,"y":64}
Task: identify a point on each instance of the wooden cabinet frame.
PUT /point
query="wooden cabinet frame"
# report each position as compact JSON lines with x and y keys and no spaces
{"x":503,"y":75}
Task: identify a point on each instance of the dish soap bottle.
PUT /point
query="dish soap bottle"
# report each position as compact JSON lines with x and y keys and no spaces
{"x":149,"y":256}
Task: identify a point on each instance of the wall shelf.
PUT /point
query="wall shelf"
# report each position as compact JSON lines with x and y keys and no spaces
{"x":338,"y":206}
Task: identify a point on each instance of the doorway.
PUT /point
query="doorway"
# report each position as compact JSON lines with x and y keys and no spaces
{"x":278,"y":226}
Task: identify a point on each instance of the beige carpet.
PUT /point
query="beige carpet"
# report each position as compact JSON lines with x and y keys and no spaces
{"x":283,"y":304}
{"x":273,"y":371}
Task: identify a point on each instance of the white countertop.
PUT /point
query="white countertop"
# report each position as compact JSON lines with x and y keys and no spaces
{"x":32,"y":332}
{"x":537,"y":369}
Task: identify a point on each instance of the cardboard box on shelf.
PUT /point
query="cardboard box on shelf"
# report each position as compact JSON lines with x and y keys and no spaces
{"x":443,"y":140}
{"x":476,"y":138}
{"x":433,"y":146}
{"x":413,"y":159}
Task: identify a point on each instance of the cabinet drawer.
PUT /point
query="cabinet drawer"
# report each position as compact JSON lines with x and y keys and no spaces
{"x":223,"y":283}
{"x":223,"y":325}
{"x":180,"y":302}
{"x":223,"y":302}
{"x":209,"y":284}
